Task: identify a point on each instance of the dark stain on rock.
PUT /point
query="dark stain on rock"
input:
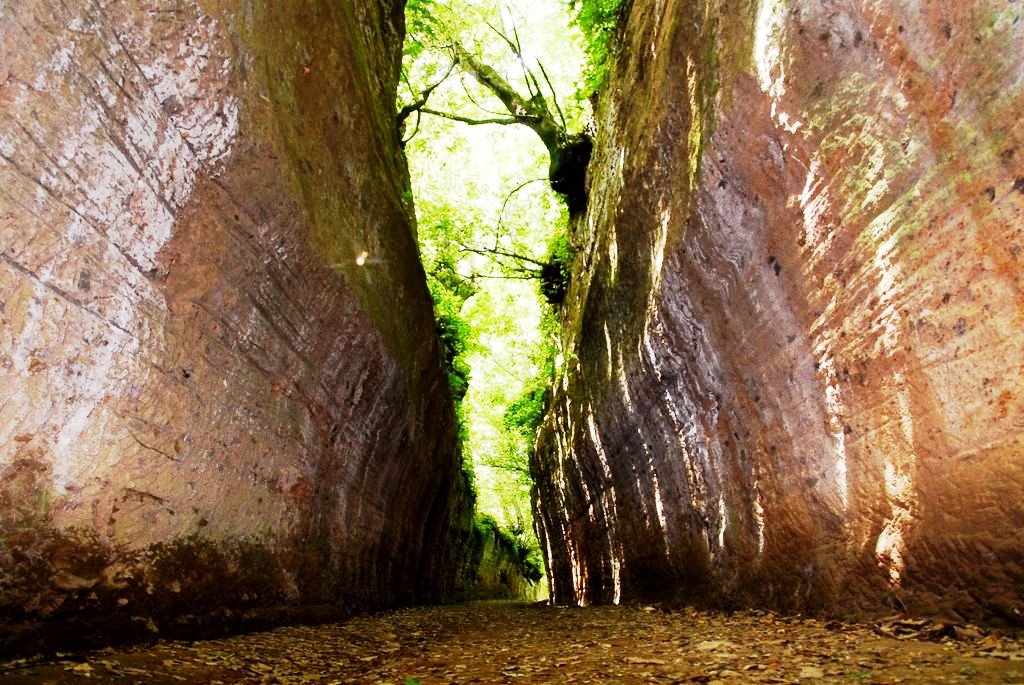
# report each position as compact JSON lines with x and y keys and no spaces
{"x":172,"y":105}
{"x":1018,"y":184}
{"x":93,"y":594}
{"x":960,"y":326}
{"x":84,"y":280}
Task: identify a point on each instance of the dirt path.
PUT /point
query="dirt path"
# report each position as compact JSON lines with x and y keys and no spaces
{"x":520,"y":643}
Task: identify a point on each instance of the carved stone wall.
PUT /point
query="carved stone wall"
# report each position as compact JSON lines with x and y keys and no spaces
{"x":222,"y":395}
{"x":794,"y":330}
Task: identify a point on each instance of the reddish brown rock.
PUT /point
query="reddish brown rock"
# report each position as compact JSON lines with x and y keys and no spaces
{"x":214,"y":411}
{"x":794,"y":324}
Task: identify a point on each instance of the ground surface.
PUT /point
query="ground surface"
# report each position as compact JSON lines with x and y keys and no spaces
{"x":521,"y":643}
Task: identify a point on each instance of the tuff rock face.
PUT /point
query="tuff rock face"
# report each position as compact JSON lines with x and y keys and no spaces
{"x":794,"y":329}
{"x":222,"y":396}
{"x":498,"y":569}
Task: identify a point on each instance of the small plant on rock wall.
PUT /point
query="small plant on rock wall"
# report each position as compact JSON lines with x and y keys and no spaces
{"x":554,"y":276}
{"x":597,"y":21}
{"x":528,"y":557}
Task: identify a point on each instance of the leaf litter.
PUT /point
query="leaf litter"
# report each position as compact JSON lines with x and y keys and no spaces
{"x":513,"y":642}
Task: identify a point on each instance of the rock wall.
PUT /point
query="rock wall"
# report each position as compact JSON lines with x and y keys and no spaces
{"x":498,"y":567}
{"x":793,"y":334}
{"x":223,"y":401}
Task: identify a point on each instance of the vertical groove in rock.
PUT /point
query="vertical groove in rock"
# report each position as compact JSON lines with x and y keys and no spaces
{"x":794,"y":314}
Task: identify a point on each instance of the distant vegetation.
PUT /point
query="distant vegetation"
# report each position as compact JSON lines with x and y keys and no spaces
{"x":493,"y":104}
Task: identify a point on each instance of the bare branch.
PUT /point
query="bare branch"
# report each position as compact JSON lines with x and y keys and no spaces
{"x":487,"y":252}
{"x":469,"y":96}
{"x":531,"y":80}
{"x":424,"y":96}
{"x":506,"y":278}
{"x":519,"y":43}
{"x":472,"y":122}
{"x":509,"y":197}
{"x":515,"y":48}
{"x":514,"y":468}
{"x":415,"y":130}
{"x":405,"y":80}
{"x":533,"y":111}
{"x":492,"y":80}
{"x":554,"y":95}
{"x":511,"y":268}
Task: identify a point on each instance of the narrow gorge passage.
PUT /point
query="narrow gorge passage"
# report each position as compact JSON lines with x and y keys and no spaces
{"x":735,"y":323}
{"x":512,"y":642}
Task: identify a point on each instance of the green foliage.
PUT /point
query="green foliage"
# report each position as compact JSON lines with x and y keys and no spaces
{"x":453,"y":333}
{"x":527,"y":551}
{"x":524,"y":415}
{"x":554,"y":277}
{"x":449,"y":290}
{"x":597,"y":20}
{"x":479,"y":189}
{"x":533,"y":565}
{"x":421,"y":26}
{"x":519,"y":423}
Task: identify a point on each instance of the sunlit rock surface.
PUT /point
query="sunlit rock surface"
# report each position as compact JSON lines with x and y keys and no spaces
{"x":222,"y":398}
{"x":794,"y":328}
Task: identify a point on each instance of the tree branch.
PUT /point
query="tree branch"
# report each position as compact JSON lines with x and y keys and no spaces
{"x":515,"y":103}
{"x":404,"y":113}
{"x":514,"y":468}
{"x":554,"y":95}
{"x":515,"y":48}
{"x":469,"y":96}
{"x":473,"y":122}
{"x":532,"y":112}
{"x":506,"y":278}
{"x":509,"y":197}
{"x":487,"y":252}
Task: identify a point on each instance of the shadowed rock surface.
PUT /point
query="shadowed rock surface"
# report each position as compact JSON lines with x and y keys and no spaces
{"x":794,"y":320}
{"x":212,"y":415}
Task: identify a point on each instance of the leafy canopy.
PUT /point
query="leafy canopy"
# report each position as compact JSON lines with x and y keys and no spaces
{"x":480,"y":190}
{"x":597,"y":21}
